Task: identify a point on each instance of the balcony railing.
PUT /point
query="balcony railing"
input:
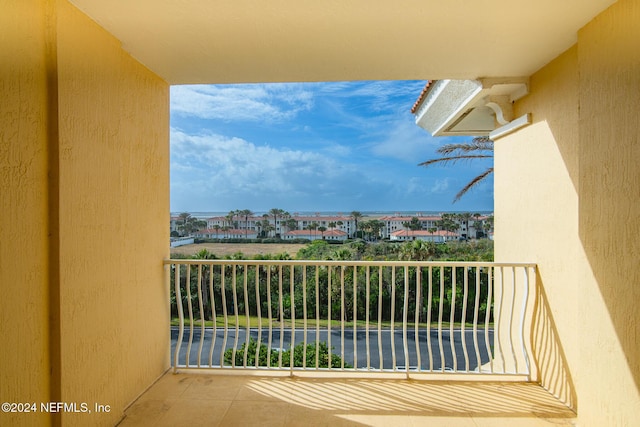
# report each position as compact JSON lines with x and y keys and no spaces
{"x":398,"y":318}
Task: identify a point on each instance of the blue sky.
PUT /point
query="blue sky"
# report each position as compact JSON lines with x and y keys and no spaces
{"x":311,"y":147}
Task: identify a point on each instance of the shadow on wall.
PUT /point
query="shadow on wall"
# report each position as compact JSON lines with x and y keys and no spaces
{"x":609,"y":218}
{"x":553,"y":370}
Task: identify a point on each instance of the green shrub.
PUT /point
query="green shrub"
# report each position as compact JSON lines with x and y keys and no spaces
{"x":298,"y":353}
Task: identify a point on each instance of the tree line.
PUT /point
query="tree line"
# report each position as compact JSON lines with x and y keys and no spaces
{"x":341,"y":292}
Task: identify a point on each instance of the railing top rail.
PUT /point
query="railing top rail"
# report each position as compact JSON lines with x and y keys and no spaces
{"x":348,"y":263}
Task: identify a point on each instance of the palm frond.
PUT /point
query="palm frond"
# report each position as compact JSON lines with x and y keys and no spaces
{"x":480,"y":147}
{"x":466,"y":147}
{"x":454,"y":159}
{"x":472,"y":184}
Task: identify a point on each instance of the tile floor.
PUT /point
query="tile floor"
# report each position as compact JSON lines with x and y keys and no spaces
{"x":222,"y":400}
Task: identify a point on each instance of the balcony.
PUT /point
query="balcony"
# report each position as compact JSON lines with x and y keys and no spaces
{"x":373,"y":343}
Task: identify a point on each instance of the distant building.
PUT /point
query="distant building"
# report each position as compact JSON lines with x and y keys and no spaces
{"x":394,"y":223}
{"x":173,"y":223}
{"x":315,"y":235}
{"x":265,"y":226}
{"x":211,"y":233}
{"x":439,"y":236}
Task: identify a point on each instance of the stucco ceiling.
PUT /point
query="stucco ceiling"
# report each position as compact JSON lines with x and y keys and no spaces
{"x":223,"y":41}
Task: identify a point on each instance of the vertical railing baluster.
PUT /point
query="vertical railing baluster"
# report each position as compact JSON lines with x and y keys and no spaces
{"x":512,"y":315}
{"x":329,"y":316}
{"x":176,"y":284}
{"x":201,"y":308}
{"x":487,"y":318}
{"x":190,"y":307}
{"x":342,"y":315}
{"x":393,"y":315}
{"x":532,"y":291}
{"x":281,"y":316}
{"x":476,"y":307}
{"x":304,"y":315}
{"x":234,"y":290}
{"x":317,"y":316}
{"x":418,"y":308}
{"x":367,"y":307}
{"x":440,"y":314}
{"x":380,"y":357}
{"x":497,"y":321}
{"x":293,"y":317}
{"x":225,"y":314}
{"x":214,"y":330}
{"x":525,"y":300}
{"x":429,"y":304}
{"x":246,"y":312}
{"x":452,"y":319}
{"x":355,"y":317}
{"x":405,"y":319}
{"x":465,"y":296}
{"x":270,"y":315}
{"x":259,"y":315}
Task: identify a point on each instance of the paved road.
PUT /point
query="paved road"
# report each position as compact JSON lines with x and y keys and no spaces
{"x":347,"y":350}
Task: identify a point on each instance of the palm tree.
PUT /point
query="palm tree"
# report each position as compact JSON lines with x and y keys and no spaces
{"x":366,"y":229}
{"x":264,"y":225}
{"x":246,"y":213}
{"x":291,"y":224}
{"x":230,"y":218}
{"x":480,"y":147}
{"x":447,"y":222}
{"x":190,"y":223}
{"x":275,"y":212}
{"x":376,"y":225}
{"x":412,"y":225}
{"x":356,"y":216}
{"x":184,"y":218}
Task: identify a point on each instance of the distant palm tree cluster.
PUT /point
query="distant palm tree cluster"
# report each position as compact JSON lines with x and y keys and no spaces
{"x":245,"y":225}
{"x":188,"y":224}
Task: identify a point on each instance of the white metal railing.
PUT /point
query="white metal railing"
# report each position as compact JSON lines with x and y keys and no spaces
{"x":352,"y":316}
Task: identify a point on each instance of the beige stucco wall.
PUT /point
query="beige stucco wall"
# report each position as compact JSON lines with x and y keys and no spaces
{"x":114,"y":211}
{"x":609,"y":221}
{"x":24,"y":353}
{"x":107,"y":132}
{"x":568,"y":197}
{"x":536,"y":204}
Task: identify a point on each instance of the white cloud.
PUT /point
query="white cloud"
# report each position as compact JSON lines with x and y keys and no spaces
{"x":380,"y":95}
{"x":406,"y":141}
{"x":213,"y":170}
{"x":440,"y":186}
{"x":329,"y":146}
{"x":259,"y":102}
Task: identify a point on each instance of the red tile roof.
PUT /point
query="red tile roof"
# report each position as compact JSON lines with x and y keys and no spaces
{"x":222,"y":232}
{"x":423,"y":94}
{"x":316,"y":233}
{"x":408,"y":218}
{"x":322,"y":218}
{"x":424,"y":233}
